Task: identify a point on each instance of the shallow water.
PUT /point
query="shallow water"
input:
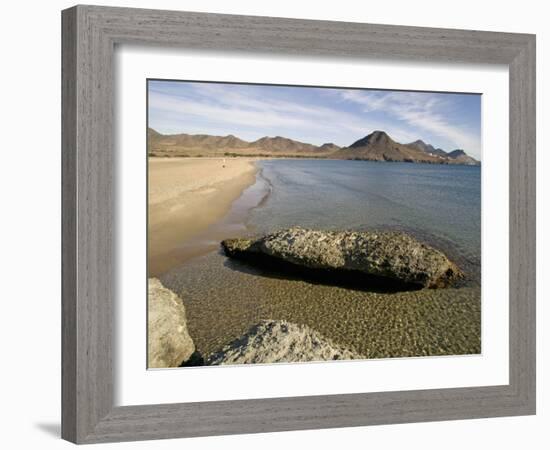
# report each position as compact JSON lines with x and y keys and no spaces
{"x":438,"y":204}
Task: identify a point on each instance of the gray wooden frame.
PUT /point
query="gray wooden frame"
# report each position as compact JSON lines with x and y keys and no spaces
{"x":89,"y":37}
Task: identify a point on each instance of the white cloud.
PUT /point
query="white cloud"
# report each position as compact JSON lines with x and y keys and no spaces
{"x":254,"y":111}
{"x":217,"y":105}
{"x":417,"y":109}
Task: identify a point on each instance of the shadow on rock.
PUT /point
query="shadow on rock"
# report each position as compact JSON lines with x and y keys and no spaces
{"x":267,"y":266}
{"x":195,"y":360}
{"x":368,"y":260}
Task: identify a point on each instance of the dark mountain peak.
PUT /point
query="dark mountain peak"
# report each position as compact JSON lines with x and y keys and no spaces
{"x":418,"y":142}
{"x":375,"y":138}
{"x":421,"y":145}
{"x":456,"y":153}
{"x":378,"y":135}
{"x":459,"y":156}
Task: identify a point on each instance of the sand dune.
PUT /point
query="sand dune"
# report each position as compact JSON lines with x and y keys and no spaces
{"x":185,"y":196}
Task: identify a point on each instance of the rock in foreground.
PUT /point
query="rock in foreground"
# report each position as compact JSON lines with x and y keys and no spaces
{"x":385,"y":255}
{"x":169,"y":343}
{"x":273,"y":341}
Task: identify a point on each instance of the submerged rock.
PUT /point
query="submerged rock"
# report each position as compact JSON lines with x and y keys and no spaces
{"x":275,"y":341}
{"x":169,"y":343}
{"x":390,"y":256}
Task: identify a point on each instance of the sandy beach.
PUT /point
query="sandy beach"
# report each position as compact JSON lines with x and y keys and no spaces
{"x":185,"y":196}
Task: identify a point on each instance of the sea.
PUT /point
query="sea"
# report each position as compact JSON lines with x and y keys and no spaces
{"x":438,"y":204}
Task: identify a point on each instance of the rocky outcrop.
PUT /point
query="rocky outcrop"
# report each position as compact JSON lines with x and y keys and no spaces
{"x":169,"y":343}
{"x":428,"y":148}
{"x":459,"y":156}
{"x":379,"y":146}
{"x":273,"y":341}
{"x":382,"y":256}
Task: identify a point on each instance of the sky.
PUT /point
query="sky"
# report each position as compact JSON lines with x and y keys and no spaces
{"x":315,"y":115}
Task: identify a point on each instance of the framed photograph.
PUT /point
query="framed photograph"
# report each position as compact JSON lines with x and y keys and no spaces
{"x":278,"y":224}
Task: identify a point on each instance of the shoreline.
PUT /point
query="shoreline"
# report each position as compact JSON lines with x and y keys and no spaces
{"x":187,"y":197}
{"x":307,"y":158}
{"x":224,"y":297}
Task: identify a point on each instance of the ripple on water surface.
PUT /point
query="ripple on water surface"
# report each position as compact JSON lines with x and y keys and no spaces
{"x":224,"y":298}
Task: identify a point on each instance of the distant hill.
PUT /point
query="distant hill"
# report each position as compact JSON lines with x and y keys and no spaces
{"x":377,"y":146}
{"x":280,"y":144}
{"x":177,"y":142}
{"x":207,"y":145}
{"x":427,"y":148}
{"x":329,"y":146}
{"x":460,"y":157}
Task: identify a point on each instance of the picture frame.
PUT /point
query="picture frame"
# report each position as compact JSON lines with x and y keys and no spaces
{"x":89,"y":37}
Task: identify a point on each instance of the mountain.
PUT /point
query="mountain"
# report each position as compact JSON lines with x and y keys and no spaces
{"x":460,"y":157}
{"x":207,"y":145}
{"x":378,"y":146}
{"x":174,"y":142}
{"x":282,"y":145}
{"x":427,"y":148}
{"x":457,"y":156}
{"x":329,"y":147}
{"x":457,"y":153}
{"x":153,"y":136}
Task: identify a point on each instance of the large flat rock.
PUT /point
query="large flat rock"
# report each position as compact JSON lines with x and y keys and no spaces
{"x":386,"y":255}
{"x":276,"y":341}
{"x":169,"y":343}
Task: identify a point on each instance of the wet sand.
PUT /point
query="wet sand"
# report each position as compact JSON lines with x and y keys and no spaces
{"x":185,"y":197}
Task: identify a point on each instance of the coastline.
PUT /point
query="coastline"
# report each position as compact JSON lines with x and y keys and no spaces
{"x":186,"y":196}
{"x":224,"y":298}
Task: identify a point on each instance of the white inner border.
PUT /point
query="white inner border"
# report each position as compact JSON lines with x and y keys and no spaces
{"x":136,"y":385}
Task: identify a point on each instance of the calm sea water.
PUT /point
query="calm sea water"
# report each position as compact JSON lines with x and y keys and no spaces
{"x":438,"y":203}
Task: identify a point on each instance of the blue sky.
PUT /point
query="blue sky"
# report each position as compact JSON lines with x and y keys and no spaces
{"x":315,"y":115}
